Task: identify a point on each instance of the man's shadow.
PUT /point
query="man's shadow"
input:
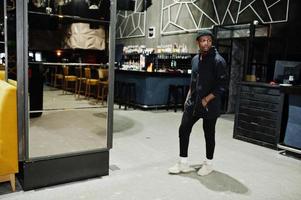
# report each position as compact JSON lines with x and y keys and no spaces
{"x":218,"y":181}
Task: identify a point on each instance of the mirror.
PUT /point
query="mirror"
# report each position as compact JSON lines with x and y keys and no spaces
{"x":67,"y":77}
{"x":8,"y":68}
{"x":8,"y":40}
{"x":2,"y":42}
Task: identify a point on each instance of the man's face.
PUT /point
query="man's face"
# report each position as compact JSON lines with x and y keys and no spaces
{"x":205,"y":43}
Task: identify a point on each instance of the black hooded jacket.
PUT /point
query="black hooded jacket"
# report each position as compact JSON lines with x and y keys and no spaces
{"x":208,"y":76}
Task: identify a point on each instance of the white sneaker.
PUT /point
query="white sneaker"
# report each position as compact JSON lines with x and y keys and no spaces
{"x":205,"y":169}
{"x":180,"y":167}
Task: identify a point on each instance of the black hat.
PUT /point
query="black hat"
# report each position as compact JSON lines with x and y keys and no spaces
{"x":203,"y":32}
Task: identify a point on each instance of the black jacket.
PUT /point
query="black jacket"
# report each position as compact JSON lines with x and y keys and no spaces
{"x":208,"y":76}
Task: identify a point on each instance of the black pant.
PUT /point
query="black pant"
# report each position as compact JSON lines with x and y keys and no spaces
{"x":188,"y":120}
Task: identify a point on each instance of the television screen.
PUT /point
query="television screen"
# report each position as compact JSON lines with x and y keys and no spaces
{"x":284,"y":69}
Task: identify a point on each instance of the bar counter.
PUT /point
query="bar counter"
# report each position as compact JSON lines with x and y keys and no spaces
{"x":152,"y":87}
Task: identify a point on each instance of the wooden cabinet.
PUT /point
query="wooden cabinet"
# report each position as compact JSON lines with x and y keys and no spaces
{"x":258,"y":114}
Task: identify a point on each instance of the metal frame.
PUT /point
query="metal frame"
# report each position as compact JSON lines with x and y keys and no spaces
{"x":112,"y":36}
{"x":70,"y":17}
{"x":290,"y":149}
{"x":5,"y":38}
{"x":197,"y":25}
{"x":22,"y":79}
{"x":67,"y":64}
{"x":247,"y":31}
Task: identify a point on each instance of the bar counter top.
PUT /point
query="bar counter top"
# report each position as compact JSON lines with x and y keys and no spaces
{"x":295,"y":90}
{"x":145,"y":73}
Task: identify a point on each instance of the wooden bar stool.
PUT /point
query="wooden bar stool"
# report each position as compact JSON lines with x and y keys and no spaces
{"x":58,"y":75}
{"x":80,"y":80}
{"x":89,"y":82}
{"x":103,"y":84}
{"x":68,"y":78}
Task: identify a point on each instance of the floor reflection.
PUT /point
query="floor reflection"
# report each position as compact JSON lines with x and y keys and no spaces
{"x":67,"y":125}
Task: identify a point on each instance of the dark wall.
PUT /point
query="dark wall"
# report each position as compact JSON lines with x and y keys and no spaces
{"x":45,"y":39}
{"x":76,"y":8}
{"x":291,"y":32}
{"x":48,"y":32}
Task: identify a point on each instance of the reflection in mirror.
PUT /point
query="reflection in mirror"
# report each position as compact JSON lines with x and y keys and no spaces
{"x":11,"y":41}
{"x":8,"y":68}
{"x":2,"y":42}
{"x":68,"y":81}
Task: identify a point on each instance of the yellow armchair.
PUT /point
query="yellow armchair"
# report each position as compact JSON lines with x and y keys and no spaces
{"x":2,"y":74}
{"x":8,"y":133}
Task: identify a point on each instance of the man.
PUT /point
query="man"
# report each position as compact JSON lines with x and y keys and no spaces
{"x":208,"y":82}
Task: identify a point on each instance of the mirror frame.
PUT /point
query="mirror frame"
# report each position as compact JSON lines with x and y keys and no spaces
{"x":22,"y":79}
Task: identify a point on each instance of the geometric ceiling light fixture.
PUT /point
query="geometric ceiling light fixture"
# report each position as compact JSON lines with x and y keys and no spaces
{"x":181,"y":16}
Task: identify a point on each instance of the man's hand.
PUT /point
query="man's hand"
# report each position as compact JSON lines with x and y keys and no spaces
{"x":204,"y":102}
{"x":207,"y":99}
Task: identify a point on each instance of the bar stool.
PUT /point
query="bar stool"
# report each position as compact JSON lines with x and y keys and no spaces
{"x":117,"y":92}
{"x":51,"y":74}
{"x":177,"y":94}
{"x":121,"y":94}
{"x":58,"y":75}
{"x":131,"y":94}
{"x":127,"y":94}
{"x":89,"y":82}
{"x":80,"y":80}
{"x":68,"y":78}
{"x":103,"y":84}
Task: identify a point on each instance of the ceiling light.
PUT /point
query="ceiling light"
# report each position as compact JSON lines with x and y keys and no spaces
{"x":93,"y":4}
{"x":93,"y":7}
{"x":48,"y":10}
